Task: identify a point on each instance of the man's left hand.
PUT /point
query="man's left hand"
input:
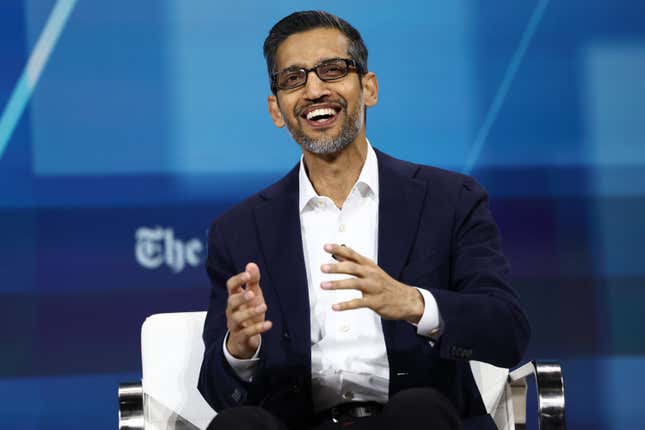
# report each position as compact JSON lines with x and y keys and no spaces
{"x":386,"y":296}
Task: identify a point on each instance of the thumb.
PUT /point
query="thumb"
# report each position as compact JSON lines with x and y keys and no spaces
{"x":254,"y":271}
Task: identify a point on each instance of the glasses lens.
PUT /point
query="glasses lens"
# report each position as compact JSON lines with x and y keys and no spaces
{"x":291,"y":78}
{"x":332,"y":70}
{"x":327,"y":71}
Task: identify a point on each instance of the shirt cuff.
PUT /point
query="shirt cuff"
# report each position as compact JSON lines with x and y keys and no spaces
{"x":244,"y":368}
{"x":430,"y":323}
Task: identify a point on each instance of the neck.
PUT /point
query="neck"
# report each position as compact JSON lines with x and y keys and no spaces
{"x":334,"y":175}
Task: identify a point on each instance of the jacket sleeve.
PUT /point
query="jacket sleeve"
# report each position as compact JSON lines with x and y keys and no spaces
{"x":481,"y":314}
{"x":218,"y":382}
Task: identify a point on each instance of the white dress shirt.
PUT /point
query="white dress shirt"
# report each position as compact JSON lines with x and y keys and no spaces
{"x":348,"y":354}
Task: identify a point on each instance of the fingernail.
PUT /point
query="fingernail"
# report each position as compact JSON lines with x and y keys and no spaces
{"x":325,"y":267}
{"x":260,"y":308}
{"x":335,"y":307}
{"x":328,"y":247}
{"x":248,"y":295}
{"x":266,"y":325}
{"x":326,"y":285}
{"x":245,"y":276}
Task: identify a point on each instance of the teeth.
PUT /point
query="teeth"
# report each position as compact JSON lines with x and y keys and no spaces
{"x":321,"y":112}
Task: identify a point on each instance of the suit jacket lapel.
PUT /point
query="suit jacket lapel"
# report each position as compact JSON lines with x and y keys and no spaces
{"x":278,"y":226}
{"x":400,"y":205}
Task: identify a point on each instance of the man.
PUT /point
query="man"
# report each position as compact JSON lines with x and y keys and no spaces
{"x":353,"y":291}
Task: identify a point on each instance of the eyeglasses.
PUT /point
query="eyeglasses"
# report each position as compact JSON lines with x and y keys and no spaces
{"x":328,"y":70}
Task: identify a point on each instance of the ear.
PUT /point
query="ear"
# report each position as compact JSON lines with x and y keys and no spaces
{"x":370,"y":89}
{"x":274,"y":111}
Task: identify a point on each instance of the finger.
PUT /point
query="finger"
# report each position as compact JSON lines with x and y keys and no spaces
{"x":347,"y":284}
{"x":351,"y":304}
{"x":258,"y":328}
{"x":336,"y":256}
{"x":244,"y":297}
{"x":235,"y":301}
{"x":254,"y":272}
{"x":242,"y":315}
{"x":346,"y":267}
{"x":234,"y":283}
{"x":343,"y":252}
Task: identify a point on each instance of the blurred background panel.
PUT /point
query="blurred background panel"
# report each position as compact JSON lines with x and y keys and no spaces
{"x":126,"y":127}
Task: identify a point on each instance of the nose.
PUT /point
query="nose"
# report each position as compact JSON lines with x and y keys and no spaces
{"x":315,"y":88}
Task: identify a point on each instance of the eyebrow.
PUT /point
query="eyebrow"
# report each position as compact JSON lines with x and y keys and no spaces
{"x":294,"y":67}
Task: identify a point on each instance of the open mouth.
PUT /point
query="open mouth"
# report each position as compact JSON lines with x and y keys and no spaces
{"x":321,"y":116}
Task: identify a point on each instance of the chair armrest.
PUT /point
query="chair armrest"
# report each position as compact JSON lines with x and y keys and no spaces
{"x":131,"y":406}
{"x":550,"y":394}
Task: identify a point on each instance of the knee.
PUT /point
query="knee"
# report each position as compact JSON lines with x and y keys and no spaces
{"x":423,"y":405}
{"x":418,"y":397}
{"x":244,"y":417}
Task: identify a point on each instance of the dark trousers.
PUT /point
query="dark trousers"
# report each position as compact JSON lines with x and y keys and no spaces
{"x":416,"y":408}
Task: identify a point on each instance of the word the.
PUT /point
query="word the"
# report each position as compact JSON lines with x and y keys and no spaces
{"x":157,"y":246}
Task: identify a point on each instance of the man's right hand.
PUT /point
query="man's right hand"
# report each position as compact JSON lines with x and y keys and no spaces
{"x":245,"y":313}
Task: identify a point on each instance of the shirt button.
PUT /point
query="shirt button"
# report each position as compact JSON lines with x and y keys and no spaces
{"x":341,"y":228}
{"x":348,"y":395}
{"x":344,"y":328}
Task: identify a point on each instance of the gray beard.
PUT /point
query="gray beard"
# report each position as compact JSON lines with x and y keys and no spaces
{"x":330,"y":144}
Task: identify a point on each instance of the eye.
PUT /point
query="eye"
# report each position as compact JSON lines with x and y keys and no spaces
{"x":332,"y":70}
{"x":290,"y":78}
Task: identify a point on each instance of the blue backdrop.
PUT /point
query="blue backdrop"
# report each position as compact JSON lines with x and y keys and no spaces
{"x":123,"y":134}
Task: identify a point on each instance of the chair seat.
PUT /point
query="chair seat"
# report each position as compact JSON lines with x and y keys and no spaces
{"x":172,"y":350}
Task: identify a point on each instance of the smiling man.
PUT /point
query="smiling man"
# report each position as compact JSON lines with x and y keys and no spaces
{"x":353,"y":291}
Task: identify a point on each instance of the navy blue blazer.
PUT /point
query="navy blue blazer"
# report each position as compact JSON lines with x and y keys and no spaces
{"x":435,"y":232}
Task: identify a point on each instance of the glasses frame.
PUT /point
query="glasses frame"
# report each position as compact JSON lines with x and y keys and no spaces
{"x":350,"y":63}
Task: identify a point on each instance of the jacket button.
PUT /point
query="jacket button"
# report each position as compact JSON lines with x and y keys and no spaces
{"x":236,"y":395}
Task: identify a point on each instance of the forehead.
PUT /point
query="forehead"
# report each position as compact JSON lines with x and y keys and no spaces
{"x":310,"y":47}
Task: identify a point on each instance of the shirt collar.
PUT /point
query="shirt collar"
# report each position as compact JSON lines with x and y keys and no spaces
{"x":367,"y":183}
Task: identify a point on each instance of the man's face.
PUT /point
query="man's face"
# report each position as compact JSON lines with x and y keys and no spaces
{"x":323,"y":117}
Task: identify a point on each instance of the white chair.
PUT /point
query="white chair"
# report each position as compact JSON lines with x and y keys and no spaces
{"x":171,"y":355}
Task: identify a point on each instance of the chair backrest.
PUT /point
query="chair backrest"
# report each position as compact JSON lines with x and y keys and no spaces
{"x":171,"y":354}
{"x":172,"y":350}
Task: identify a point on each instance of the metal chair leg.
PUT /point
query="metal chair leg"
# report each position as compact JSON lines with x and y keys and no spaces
{"x":131,"y":406}
{"x":550,"y":394}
